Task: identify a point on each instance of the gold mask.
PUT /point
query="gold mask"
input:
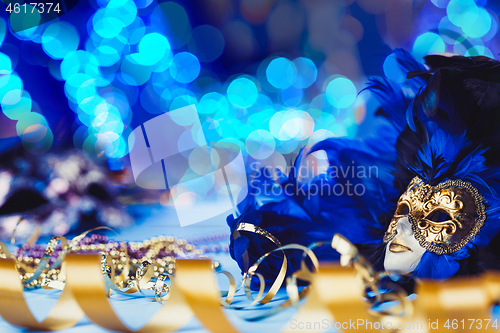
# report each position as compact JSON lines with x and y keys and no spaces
{"x":443,"y":217}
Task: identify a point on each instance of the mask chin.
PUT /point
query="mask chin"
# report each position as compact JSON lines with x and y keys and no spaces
{"x":403,"y":253}
{"x":405,"y":262}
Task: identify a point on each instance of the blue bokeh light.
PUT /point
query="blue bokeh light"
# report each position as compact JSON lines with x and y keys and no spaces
{"x":73,"y":84}
{"x":292,"y":96}
{"x":176,"y":21}
{"x":136,"y":60}
{"x":392,"y":69}
{"x":307,"y":72}
{"x":477,"y":22}
{"x":106,"y":55}
{"x":182,"y":101}
{"x":123,"y":10}
{"x":493,"y":29}
{"x":212,"y":103}
{"x":185,"y":67}
{"x":59,"y":39}
{"x":28,"y":120}
{"x":106,"y":25}
{"x":134,"y":73}
{"x":107,"y":122}
{"x":459,"y":10}
{"x":3,"y":30}
{"x":281,"y":73}
{"x":18,"y":110}
{"x":165,"y":100}
{"x":87,"y":89}
{"x":5,"y":64}
{"x":137,"y":30}
{"x":341,"y":92}
{"x":440,"y":3}
{"x":10,"y":82}
{"x":427,"y":43}
{"x":242,"y":92}
{"x":152,"y":48}
{"x":448,"y":31}
{"x":260,"y":144}
{"x":478,"y":50}
{"x":79,"y":62}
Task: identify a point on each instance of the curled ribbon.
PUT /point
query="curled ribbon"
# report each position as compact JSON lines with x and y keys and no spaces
{"x":335,"y":291}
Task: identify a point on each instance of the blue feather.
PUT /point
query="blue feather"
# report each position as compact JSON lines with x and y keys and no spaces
{"x":409,"y":116}
{"x":408,"y":64}
{"x":432,"y":127}
{"x":391,"y":98}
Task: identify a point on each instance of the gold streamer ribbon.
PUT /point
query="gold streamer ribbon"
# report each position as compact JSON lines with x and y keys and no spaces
{"x":84,"y":279}
{"x":14,"y":310}
{"x":335,"y":293}
{"x":463,"y":304}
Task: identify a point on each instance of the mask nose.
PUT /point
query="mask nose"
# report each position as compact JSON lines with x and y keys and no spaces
{"x":404,"y":226}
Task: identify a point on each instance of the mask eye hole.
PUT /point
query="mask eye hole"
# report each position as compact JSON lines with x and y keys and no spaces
{"x":439,"y":216}
{"x":402,"y":209}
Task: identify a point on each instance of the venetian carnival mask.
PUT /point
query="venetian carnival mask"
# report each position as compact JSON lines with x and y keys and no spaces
{"x":441,"y":219}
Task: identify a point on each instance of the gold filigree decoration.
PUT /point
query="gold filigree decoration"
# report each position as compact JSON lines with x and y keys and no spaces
{"x":444,"y":218}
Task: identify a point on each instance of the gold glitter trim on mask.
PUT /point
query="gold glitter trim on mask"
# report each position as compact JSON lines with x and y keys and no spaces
{"x":423,"y":194}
